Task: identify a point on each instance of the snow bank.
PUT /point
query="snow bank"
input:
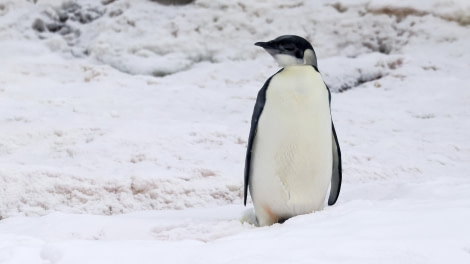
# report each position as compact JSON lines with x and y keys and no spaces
{"x":143,"y":37}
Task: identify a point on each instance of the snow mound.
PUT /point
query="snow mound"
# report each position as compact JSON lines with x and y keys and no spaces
{"x":352,"y":72}
{"x":144,"y":37}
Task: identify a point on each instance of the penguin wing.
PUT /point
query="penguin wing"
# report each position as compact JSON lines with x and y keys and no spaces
{"x":337,"y":173}
{"x":336,"y":176}
{"x":259,"y":105}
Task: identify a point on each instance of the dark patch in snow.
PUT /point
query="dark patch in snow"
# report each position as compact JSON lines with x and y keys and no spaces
{"x":381,"y":45}
{"x":107,"y":2}
{"x":161,"y":73}
{"x":3,"y":9}
{"x":424,"y":116}
{"x":395,"y":64}
{"x":64,"y":21}
{"x":400,"y":13}
{"x":115,"y":13}
{"x":75,"y":12}
{"x":339,"y":7}
{"x":361,"y":80}
{"x":173,"y":2}
{"x":397,"y":12}
{"x":39,"y":25}
{"x":430,"y":68}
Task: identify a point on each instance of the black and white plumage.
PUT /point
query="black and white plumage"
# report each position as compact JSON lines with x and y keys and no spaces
{"x":293,"y":154}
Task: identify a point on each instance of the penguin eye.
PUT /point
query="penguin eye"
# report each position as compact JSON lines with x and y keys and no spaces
{"x":288,"y":47}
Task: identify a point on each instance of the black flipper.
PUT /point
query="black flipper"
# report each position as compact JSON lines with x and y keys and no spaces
{"x":259,"y":105}
{"x":337,"y":173}
{"x":336,"y":176}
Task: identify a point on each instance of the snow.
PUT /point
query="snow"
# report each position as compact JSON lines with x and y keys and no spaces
{"x":123,"y":133}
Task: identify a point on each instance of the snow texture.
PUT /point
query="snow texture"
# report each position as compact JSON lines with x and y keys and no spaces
{"x":123,"y":128}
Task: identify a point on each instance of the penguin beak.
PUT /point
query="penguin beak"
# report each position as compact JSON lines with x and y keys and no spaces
{"x":265,"y":45}
{"x":270,"y":47}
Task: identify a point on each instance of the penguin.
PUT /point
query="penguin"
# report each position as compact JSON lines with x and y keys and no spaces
{"x":293,"y":156}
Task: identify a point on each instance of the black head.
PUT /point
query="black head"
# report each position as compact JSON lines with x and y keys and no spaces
{"x":290,"y":50}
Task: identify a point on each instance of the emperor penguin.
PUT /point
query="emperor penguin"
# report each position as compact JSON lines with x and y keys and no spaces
{"x":293,"y":156}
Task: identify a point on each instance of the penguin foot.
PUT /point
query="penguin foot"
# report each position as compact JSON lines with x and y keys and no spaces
{"x":266,"y":217}
{"x":249,"y":217}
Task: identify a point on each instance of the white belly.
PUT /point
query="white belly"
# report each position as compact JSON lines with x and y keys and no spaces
{"x":292,"y":151}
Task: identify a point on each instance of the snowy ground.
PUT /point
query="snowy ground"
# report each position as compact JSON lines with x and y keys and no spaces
{"x":123,"y":128}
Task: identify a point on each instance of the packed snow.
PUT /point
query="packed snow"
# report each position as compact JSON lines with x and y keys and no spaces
{"x":123,"y":131}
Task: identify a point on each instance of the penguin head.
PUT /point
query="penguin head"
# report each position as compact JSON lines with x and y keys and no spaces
{"x":289,"y":50}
